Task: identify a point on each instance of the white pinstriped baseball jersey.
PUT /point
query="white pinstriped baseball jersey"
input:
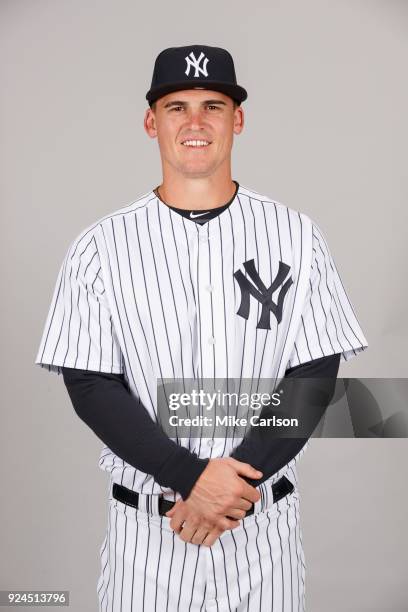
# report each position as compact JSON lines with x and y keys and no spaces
{"x":146,"y":292}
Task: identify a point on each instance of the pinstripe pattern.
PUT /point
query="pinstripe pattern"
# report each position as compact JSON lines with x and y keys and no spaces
{"x":150,"y":294}
{"x":260,"y":566}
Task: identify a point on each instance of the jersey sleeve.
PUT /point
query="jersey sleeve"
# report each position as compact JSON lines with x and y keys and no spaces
{"x":328,"y":323}
{"x":79,"y":332}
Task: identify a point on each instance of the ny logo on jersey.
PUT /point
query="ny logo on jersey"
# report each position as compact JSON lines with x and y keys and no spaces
{"x":192,"y":62}
{"x":262,"y":293}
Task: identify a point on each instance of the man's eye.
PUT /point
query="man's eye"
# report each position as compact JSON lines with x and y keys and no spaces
{"x":210,"y":106}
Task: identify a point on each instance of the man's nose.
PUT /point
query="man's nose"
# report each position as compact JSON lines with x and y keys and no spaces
{"x":195,"y":117}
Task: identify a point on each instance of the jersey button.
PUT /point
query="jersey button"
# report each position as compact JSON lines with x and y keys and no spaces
{"x":210,"y":442}
{"x":211,"y":340}
{"x":210,"y":288}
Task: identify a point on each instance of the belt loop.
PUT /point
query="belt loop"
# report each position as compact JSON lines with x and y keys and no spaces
{"x":154,"y":505}
{"x":259,"y":506}
{"x":269,"y":494}
{"x":143,"y":503}
{"x":268,"y":484}
{"x":148,"y":503}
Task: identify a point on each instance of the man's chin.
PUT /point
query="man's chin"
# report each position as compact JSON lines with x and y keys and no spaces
{"x":197,"y":172}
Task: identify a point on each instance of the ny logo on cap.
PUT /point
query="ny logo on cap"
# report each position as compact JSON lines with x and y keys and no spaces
{"x":195,"y":63}
{"x":262,"y":293}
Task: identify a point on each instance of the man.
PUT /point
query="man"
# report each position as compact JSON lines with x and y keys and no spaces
{"x":199,"y":279}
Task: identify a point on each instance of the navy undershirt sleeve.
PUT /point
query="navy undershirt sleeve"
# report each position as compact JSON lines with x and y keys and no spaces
{"x":308,"y":396}
{"x":104,"y":402}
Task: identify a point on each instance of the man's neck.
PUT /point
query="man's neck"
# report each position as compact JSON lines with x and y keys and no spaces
{"x":197,"y":194}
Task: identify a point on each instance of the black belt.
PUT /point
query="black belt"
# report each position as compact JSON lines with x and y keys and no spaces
{"x":280,"y":489}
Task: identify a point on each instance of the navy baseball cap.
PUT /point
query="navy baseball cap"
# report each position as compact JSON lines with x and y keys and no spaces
{"x":194,"y":67}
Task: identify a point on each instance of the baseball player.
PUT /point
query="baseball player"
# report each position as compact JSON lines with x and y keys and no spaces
{"x":200,"y":278}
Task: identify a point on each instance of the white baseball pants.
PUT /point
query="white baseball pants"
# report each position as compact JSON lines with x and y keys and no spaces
{"x":256,"y":567}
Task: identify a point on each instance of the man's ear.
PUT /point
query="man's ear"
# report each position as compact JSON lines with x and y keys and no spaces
{"x":239,"y":120}
{"x":150,"y":123}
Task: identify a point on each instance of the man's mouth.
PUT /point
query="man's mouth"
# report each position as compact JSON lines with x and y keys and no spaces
{"x":196,"y":143}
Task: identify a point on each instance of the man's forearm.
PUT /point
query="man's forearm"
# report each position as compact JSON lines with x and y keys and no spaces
{"x":105,"y":404}
{"x":309,"y":397}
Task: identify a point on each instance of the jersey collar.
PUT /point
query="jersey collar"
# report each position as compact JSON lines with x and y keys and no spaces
{"x":191,"y":225}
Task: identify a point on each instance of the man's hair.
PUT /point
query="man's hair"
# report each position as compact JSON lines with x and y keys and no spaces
{"x":153,"y":105}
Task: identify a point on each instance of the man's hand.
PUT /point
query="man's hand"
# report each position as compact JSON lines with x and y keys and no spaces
{"x":218,"y":497}
{"x":191,"y":527}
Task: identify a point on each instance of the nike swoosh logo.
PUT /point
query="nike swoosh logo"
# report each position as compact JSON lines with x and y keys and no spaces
{"x":193,"y":216}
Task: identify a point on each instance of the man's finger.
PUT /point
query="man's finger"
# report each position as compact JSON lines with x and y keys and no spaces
{"x":236,"y":513}
{"x":243,"y":504}
{"x":225,"y":523}
{"x":212,"y":537}
{"x":187,"y":532}
{"x":177,"y":521}
{"x":199,"y":536}
{"x":244,"y":469}
{"x":250,"y":493}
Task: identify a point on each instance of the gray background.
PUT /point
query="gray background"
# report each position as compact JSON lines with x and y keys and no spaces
{"x":325,"y":133}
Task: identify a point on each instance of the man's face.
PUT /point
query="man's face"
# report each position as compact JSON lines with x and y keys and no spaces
{"x":202,"y":115}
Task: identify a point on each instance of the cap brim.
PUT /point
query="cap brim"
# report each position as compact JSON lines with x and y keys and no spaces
{"x":236,"y":92}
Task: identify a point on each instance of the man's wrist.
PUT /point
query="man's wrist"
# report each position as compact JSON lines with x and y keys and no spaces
{"x":181,"y":470}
